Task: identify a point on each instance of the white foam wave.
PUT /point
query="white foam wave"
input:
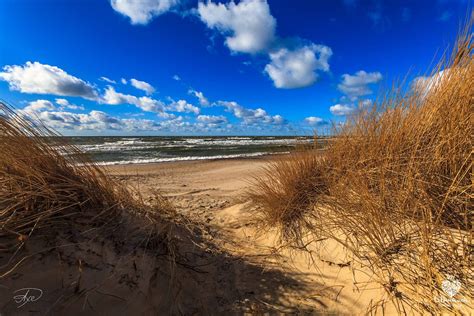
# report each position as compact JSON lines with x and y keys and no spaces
{"x":186,"y":158}
{"x":137,"y":144}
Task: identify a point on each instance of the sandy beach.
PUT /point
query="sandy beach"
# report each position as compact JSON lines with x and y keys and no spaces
{"x":213,"y":192}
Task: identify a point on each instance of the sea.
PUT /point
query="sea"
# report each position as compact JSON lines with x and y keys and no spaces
{"x":153,"y":149}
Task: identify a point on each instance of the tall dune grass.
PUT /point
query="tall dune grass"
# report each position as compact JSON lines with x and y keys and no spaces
{"x":394,"y":187}
{"x":48,"y":185}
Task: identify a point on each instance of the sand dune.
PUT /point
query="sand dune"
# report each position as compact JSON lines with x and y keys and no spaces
{"x":260,"y":277}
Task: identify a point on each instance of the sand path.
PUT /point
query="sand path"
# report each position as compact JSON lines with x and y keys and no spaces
{"x":258,"y":277}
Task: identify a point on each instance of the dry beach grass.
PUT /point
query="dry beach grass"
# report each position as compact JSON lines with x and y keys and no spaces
{"x":62,"y":215}
{"x":394,"y":188}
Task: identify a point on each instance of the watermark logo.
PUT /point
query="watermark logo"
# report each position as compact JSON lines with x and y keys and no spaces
{"x":451,"y":286}
{"x":27,"y":295}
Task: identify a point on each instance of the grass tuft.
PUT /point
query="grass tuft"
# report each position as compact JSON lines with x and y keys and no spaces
{"x":48,"y":186}
{"x":394,"y":186}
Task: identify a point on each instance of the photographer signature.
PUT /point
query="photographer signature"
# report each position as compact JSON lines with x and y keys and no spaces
{"x":27,"y":295}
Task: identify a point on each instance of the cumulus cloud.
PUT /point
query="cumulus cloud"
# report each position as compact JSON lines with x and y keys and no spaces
{"x":166,"y":115}
{"x":94,"y":120}
{"x":354,"y":87}
{"x":313,"y":120}
{"x":214,"y":119}
{"x":277,"y":119}
{"x":47,"y":113}
{"x":248,"y":26}
{"x":142,"y":85}
{"x":66,"y":105}
{"x":251,"y":116}
{"x":342,"y":109}
{"x":358,"y":84}
{"x":62,"y":102}
{"x":184,"y":107}
{"x":147,"y":104}
{"x":143,"y":11}
{"x":298,"y":68}
{"x":202,"y":99}
{"x":34,"y":77}
{"x":38,"y":105}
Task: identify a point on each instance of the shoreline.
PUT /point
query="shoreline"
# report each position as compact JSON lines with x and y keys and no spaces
{"x":140,"y":165}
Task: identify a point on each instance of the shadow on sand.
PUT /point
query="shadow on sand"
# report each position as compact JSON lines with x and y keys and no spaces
{"x":116,"y":273}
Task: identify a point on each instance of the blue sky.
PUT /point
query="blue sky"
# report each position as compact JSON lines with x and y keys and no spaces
{"x":206,"y":67}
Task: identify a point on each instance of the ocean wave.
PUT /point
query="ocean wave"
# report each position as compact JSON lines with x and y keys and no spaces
{"x":103,"y":147}
{"x":185,"y":158}
{"x":246,"y":141}
{"x":138,"y":144}
{"x":130,"y":144}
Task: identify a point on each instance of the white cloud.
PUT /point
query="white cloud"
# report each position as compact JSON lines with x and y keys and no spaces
{"x":142,"y":85}
{"x":251,"y":116}
{"x":143,"y":11}
{"x":184,"y":107}
{"x":95,"y":120}
{"x":249,"y":27}
{"x":107,"y":80}
{"x":175,"y":124}
{"x":166,"y":115}
{"x":98,"y":120}
{"x":38,"y":105}
{"x":214,"y":119}
{"x":298,"y":68}
{"x":147,"y":104}
{"x":202,"y":99}
{"x":277,"y":119}
{"x":62,"y":102}
{"x":354,"y":87}
{"x":313,"y":120}
{"x":358,"y":84}
{"x":342,"y":109}
{"x":66,"y":105}
{"x":123,"y":81}
{"x":34,"y":77}
{"x":177,"y":78}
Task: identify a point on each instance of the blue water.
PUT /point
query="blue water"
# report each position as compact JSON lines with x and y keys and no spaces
{"x":126,"y":150}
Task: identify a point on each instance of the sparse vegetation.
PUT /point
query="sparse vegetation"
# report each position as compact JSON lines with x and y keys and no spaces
{"x":394,"y":187}
{"x":49,"y":187}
